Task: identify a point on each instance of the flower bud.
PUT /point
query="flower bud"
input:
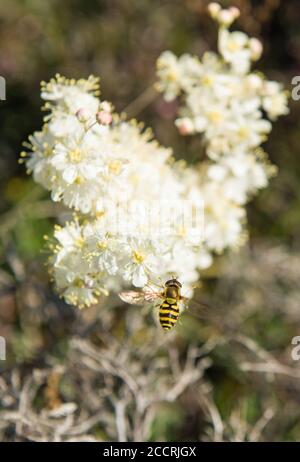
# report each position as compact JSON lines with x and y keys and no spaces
{"x":234,"y":11}
{"x":104,"y":118}
{"x":226,"y":17}
{"x":256,"y":48}
{"x":185,"y":126}
{"x":83,"y":114}
{"x":105,"y":106}
{"x":254,"y":81}
{"x":214,"y":9}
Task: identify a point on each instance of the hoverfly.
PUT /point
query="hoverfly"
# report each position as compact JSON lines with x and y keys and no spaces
{"x":170,"y":297}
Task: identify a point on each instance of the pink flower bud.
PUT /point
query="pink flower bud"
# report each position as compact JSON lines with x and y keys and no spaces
{"x":83,"y":114}
{"x":235,"y":11}
{"x":256,"y":48}
{"x":185,"y":126}
{"x":104,"y":118}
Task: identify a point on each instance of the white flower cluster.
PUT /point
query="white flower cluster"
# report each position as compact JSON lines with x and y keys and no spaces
{"x":232,"y":108}
{"x":138,"y":214}
{"x":128,"y":195}
{"x":230,"y":105}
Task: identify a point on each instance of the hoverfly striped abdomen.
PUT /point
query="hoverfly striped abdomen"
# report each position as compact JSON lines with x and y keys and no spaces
{"x":168,"y":313}
{"x":168,"y":310}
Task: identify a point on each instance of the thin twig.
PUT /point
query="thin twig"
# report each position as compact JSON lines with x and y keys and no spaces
{"x":141,"y":102}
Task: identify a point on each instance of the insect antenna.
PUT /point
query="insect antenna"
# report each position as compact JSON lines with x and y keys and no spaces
{"x":160,"y":286}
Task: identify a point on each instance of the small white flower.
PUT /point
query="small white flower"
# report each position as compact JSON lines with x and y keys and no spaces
{"x":170,"y":74}
{"x":234,"y":47}
{"x":276,"y":105}
{"x":141,"y":263}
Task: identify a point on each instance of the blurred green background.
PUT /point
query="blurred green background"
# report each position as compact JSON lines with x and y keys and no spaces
{"x":255,"y":293}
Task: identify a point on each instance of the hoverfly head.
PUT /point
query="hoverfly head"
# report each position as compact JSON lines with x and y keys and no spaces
{"x":173,"y":283}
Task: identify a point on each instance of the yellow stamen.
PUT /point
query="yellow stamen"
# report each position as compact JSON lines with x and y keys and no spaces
{"x":115,"y":167}
{"x":75,"y":156}
{"x":102,"y":245}
{"x":138,"y":257}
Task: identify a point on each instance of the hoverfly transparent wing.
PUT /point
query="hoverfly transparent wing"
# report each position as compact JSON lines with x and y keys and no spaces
{"x":196,"y":307}
{"x":134,"y":297}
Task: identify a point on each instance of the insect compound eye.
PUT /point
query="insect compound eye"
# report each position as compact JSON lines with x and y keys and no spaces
{"x":173,"y":282}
